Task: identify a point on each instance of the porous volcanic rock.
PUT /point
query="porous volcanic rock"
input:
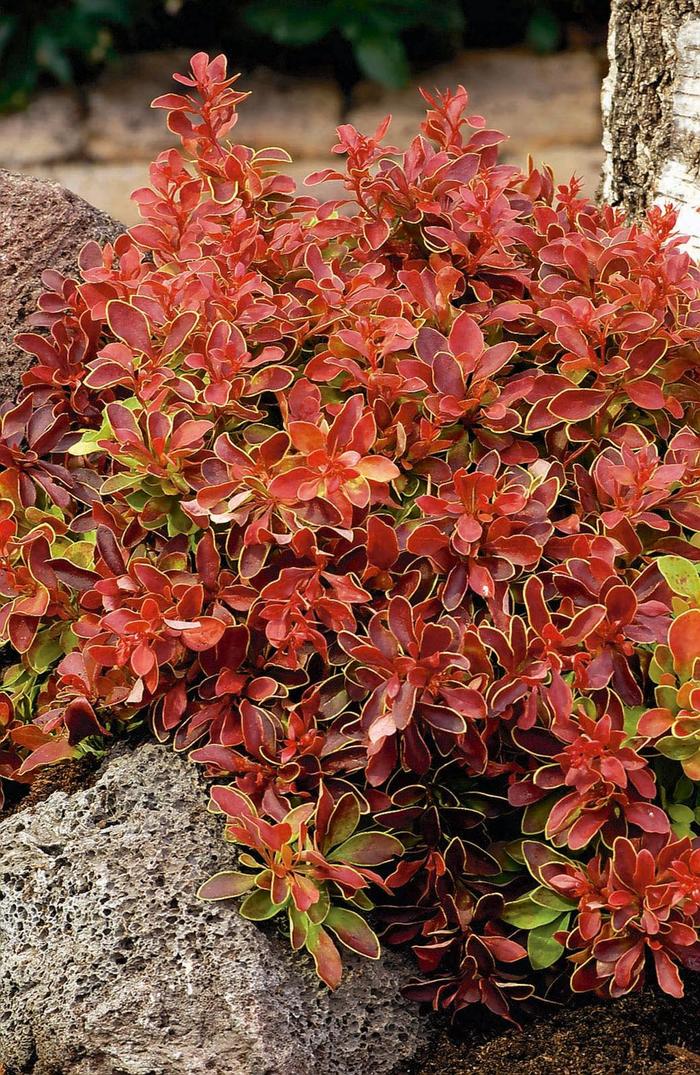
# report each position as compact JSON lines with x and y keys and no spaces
{"x":109,"y":965}
{"x":41,"y":226}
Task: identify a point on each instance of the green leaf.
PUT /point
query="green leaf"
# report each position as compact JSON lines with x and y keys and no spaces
{"x":291,"y":23}
{"x":43,"y":655}
{"x":511,"y":855}
{"x":12,"y":675}
{"x":544,"y":897}
{"x":661,"y":663}
{"x":633,"y":714}
{"x":226,"y":885}
{"x":114,"y":11}
{"x":682,"y":819}
{"x":351,"y":929}
{"x":361,"y":899}
{"x":298,"y":927}
{"x":382,"y":59}
{"x":542,"y":949}
{"x":681,"y":575}
{"x":258,"y":906}
{"x":528,"y":915}
{"x":544,"y":30}
{"x":683,"y":790}
{"x":80,"y":553}
{"x":318,"y":911}
{"x":69,"y":639}
{"x":87,"y":445}
{"x":8,"y":25}
{"x":667,"y":697}
{"x":52,"y":57}
{"x":535,"y":816}
{"x":677,"y":749}
{"x":117,"y":483}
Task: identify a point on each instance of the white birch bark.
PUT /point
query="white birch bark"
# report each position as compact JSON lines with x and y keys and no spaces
{"x":651,"y":107}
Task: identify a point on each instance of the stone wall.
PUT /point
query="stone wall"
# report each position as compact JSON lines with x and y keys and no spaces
{"x":98,"y":143}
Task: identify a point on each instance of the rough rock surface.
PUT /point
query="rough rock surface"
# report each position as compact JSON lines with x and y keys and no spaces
{"x":41,"y":226}
{"x":110,"y":966}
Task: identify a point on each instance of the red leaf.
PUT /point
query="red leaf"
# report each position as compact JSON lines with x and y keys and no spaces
{"x":684,"y":640}
{"x":645,"y":394}
{"x":130,"y":325}
{"x":649,"y":818}
{"x":48,"y":754}
{"x":326,"y":958}
{"x":205,"y":634}
{"x":577,"y":404}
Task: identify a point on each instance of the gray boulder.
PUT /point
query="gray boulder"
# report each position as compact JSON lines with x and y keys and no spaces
{"x":109,"y":965}
{"x":42,"y":226}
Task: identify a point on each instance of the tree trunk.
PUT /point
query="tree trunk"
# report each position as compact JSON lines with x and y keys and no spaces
{"x":651,"y":108}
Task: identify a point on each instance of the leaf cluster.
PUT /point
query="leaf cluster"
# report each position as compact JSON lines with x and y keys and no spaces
{"x":383,"y":509}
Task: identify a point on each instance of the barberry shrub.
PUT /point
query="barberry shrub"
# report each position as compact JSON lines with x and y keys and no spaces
{"x":385,"y":511}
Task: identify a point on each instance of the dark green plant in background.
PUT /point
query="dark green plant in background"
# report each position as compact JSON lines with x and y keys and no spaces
{"x":372,"y":29}
{"x":64,"y":41}
{"x":42,"y":39}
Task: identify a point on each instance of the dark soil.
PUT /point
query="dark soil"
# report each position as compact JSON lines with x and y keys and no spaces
{"x":68,"y":776}
{"x":646,"y":1034}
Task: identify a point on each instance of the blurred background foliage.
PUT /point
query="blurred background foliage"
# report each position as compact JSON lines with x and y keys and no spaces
{"x":64,"y":41}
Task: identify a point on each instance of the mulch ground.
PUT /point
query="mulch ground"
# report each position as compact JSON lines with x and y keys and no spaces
{"x":68,"y":776}
{"x":647,"y":1034}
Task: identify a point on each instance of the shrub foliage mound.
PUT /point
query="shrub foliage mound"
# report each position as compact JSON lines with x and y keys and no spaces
{"x":385,"y":510}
